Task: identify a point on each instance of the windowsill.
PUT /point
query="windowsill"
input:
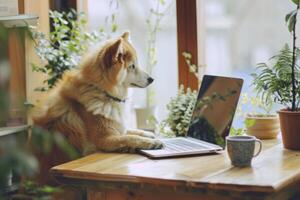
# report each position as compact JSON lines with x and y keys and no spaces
{"x":14,"y":129}
{"x":19,"y":21}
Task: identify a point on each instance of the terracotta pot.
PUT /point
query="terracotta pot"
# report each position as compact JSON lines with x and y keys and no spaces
{"x":290,"y":129}
{"x":264,"y":127}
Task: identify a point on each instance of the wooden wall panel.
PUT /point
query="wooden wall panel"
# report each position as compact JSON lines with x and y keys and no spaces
{"x":17,"y":90}
{"x":34,"y":79}
{"x":21,"y":6}
{"x":187,"y":40}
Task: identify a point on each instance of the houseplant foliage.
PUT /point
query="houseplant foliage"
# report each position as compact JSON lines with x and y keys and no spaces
{"x":18,"y":157}
{"x":197,"y":70}
{"x":280,"y":83}
{"x":64,"y":47}
{"x":18,"y":161}
{"x":274,"y":83}
{"x":181,"y":109}
{"x":259,"y":120}
{"x":180,"y":112}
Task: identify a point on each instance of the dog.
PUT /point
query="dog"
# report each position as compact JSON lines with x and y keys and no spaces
{"x":86,"y":105}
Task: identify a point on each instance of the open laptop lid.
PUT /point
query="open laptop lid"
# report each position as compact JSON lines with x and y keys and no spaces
{"x":214,"y":109}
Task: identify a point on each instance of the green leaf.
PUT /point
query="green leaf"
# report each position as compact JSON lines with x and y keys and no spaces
{"x":49,"y":189}
{"x":296,"y":2}
{"x":65,"y":45}
{"x":288,"y":16}
{"x":291,"y":21}
{"x":114,"y":28}
{"x":249,"y":122}
{"x":162,"y":2}
{"x":65,"y":146}
{"x":234,"y":131}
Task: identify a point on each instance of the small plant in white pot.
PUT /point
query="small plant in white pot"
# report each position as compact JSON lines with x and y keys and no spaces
{"x":280,"y":82}
{"x":260,"y":121}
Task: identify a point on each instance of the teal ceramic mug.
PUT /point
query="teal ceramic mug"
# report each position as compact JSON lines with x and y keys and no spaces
{"x":241,"y":149}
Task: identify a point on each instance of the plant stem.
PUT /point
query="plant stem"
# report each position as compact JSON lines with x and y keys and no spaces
{"x":293,"y":64}
{"x":151,"y":46}
{"x":151,"y":51}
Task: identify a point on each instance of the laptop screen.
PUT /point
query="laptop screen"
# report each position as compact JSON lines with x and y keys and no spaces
{"x":214,"y":109}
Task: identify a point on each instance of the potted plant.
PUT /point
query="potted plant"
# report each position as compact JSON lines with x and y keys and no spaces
{"x":281,"y":84}
{"x":181,"y":106}
{"x":259,"y":121}
{"x":180,"y":112}
{"x":262,"y":126}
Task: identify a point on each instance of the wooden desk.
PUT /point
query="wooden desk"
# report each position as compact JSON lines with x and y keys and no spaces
{"x":275,"y":174}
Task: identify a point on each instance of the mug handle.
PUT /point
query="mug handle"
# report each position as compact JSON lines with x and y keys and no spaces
{"x":260,"y":147}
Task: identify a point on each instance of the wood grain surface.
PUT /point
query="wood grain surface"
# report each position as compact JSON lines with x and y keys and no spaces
{"x":274,"y":169}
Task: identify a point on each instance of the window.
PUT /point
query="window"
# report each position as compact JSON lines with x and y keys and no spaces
{"x":240,"y":34}
{"x":132,"y":15}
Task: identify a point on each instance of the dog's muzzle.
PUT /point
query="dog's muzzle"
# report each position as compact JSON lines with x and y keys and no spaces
{"x":150,"y":80}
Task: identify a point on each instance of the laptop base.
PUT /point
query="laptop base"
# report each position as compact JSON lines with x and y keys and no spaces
{"x":181,"y":146}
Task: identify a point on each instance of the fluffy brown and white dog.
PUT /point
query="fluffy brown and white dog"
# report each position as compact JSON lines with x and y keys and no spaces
{"x":86,"y":106}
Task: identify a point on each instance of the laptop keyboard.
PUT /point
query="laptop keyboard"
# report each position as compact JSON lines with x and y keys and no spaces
{"x":183,"y":145}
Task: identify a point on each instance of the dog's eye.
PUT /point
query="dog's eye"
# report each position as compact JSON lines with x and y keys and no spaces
{"x":132,"y":66}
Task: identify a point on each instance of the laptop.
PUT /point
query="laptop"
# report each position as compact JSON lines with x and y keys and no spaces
{"x":210,"y":122}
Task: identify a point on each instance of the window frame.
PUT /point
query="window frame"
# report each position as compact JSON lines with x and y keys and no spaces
{"x":187,"y":41}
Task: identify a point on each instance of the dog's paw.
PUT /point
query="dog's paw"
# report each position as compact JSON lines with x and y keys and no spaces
{"x":141,"y":133}
{"x":158,"y":144}
{"x":153,"y":144}
{"x":148,"y":134}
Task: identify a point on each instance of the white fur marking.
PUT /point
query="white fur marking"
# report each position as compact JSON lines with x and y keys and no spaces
{"x":100,"y":105}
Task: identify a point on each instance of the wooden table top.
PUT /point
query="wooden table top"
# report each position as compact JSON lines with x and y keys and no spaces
{"x":274,"y":169}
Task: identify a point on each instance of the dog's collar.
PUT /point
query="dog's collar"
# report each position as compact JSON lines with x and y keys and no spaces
{"x":115,"y":98}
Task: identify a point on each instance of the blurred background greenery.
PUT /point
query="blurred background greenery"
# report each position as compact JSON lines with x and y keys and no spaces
{"x":18,"y":149}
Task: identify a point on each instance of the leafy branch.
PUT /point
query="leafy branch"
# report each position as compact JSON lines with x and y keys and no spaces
{"x":280,"y":82}
{"x":110,"y":25}
{"x":274,"y":83}
{"x":64,"y":47}
{"x":193,"y":68}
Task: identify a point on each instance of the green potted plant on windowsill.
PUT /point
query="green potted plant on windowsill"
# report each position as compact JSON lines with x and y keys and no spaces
{"x":259,"y":120}
{"x":280,"y":83}
{"x":262,"y":126}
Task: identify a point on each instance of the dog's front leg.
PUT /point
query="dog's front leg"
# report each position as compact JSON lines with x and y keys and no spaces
{"x":128,"y":143}
{"x":141,"y":133}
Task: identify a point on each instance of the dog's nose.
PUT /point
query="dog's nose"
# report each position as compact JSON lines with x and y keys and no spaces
{"x":150,"y":80}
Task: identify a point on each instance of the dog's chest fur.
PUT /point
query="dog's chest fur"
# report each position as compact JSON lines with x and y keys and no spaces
{"x":97,"y":102}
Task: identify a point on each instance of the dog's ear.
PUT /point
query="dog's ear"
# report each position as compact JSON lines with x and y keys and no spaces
{"x":114,"y":53}
{"x":125,"y":35}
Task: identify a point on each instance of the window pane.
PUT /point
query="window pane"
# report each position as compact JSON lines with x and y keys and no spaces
{"x":240,"y":34}
{"x":132,"y":15}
